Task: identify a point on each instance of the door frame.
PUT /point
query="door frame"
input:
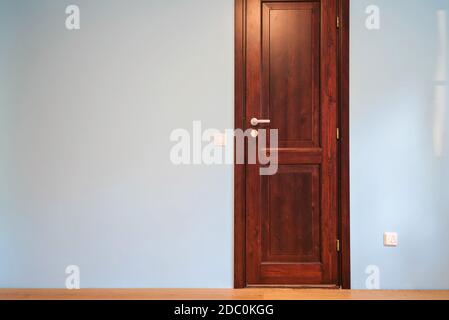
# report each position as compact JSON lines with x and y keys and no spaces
{"x":239,"y":169}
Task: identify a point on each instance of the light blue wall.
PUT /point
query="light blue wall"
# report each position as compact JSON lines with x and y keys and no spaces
{"x":85,"y":118}
{"x":399,"y":170}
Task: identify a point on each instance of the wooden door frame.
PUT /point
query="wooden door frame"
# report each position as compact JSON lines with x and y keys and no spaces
{"x":239,"y":169}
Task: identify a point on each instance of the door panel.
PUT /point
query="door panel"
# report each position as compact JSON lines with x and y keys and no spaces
{"x":291,"y":79}
{"x":291,"y":221}
{"x":290,"y":71}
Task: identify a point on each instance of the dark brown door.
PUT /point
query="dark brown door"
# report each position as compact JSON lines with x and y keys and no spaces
{"x":291,"y":79}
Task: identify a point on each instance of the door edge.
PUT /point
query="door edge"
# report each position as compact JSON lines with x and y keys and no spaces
{"x":239,"y":169}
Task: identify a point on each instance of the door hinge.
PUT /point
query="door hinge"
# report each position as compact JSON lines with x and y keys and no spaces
{"x":338,"y":134}
{"x":338,"y":245}
{"x":338,"y":23}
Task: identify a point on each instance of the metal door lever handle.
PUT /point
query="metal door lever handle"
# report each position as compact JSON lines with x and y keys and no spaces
{"x":256,"y":122}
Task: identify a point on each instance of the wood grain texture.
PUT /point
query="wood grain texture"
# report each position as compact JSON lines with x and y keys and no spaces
{"x":298,"y":210}
{"x":344,"y":165}
{"x":291,"y":71}
{"x":217,"y":294}
{"x":291,"y":79}
{"x":239,"y":169}
{"x":333,"y":156}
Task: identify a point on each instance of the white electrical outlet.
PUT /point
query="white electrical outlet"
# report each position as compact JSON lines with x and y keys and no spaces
{"x":220,"y":140}
{"x":390,"y":239}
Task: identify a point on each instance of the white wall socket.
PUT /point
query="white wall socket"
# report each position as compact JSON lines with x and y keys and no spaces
{"x":390,"y":239}
{"x":220,"y":140}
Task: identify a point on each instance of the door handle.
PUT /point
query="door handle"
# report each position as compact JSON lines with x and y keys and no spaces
{"x":255,"y":122}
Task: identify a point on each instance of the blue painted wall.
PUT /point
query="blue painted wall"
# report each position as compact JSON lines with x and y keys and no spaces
{"x":400,"y":145}
{"x":85,"y":120}
{"x":86,"y":116}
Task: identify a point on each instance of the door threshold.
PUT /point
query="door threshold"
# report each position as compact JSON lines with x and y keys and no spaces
{"x":299,"y":286}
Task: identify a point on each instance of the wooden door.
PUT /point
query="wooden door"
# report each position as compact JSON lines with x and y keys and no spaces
{"x":290,"y":78}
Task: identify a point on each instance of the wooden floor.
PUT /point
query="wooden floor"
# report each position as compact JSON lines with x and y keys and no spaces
{"x":218,"y":294}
